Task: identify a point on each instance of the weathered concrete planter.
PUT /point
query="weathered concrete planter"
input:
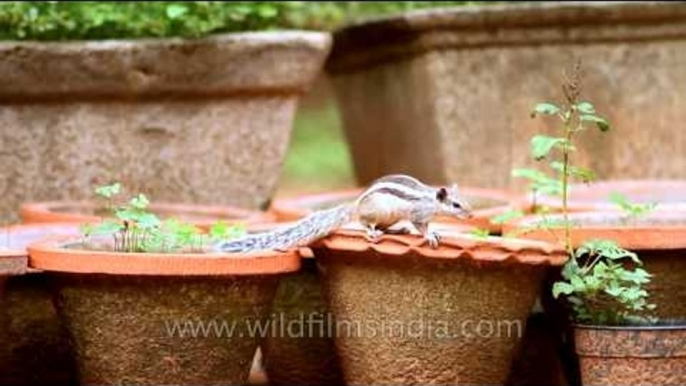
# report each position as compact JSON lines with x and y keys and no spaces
{"x":653,"y":355}
{"x":445,"y":95}
{"x":486,"y":203}
{"x":34,"y":347}
{"x":202,"y":121}
{"x":409,"y":314}
{"x":129,"y":314}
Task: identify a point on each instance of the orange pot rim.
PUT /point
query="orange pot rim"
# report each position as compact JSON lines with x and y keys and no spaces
{"x":290,"y":208}
{"x":39,"y":212}
{"x":50,"y":255}
{"x":454,"y":244}
{"x":641,"y":236}
{"x":587,"y":204}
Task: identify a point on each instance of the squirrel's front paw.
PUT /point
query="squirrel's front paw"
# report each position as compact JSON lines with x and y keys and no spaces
{"x":374,"y":235}
{"x":433,"y":239}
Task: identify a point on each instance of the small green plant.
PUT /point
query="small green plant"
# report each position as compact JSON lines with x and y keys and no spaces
{"x":598,"y":280}
{"x":135,"y":229}
{"x":634,"y":210}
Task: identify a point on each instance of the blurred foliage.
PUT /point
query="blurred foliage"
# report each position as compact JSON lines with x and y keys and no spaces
{"x":318,"y":156}
{"x":89,"y":20}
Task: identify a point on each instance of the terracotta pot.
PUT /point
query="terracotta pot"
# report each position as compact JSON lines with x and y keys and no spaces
{"x":654,"y":355}
{"x":659,"y":239}
{"x":300,"y":351}
{"x":487,"y":203}
{"x":417,"y":89}
{"x":670,"y":194}
{"x":132,"y":316}
{"x":406,"y":313}
{"x":34,"y":347}
{"x":207,"y":120}
{"x":202,"y":216}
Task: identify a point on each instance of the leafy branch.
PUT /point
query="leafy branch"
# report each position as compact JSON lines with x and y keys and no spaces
{"x":598,"y":279}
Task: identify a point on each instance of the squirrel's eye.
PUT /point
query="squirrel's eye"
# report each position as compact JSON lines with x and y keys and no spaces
{"x":456,"y":205}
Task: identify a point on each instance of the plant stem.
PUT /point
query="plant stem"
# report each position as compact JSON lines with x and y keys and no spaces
{"x":565,"y":183}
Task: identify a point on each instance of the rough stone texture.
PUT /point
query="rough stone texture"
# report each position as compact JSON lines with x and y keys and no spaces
{"x":34,"y":349}
{"x":446,"y":95}
{"x":301,"y":357}
{"x":626,"y":356}
{"x":204,"y":121}
{"x":412,"y":320}
{"x":122,"y":327}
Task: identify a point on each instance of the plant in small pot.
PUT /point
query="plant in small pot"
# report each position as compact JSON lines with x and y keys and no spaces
{"x":209,"y":91}
{"x":145,"y":302}
{"x":620,"y":336}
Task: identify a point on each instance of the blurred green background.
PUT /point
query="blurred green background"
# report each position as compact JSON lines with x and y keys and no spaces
{"x":318,"y":157}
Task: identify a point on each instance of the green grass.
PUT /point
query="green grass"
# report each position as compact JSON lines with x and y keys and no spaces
{"x":318,"y":157}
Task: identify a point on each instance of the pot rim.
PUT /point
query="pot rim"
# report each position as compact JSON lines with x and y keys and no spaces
{"x":48,"y":211}
{"x":50,"y":255}
{"x":618,"y":185}
{"x":317,"y":38}
{"x":290,"y":208}
{"x":681,"y":325}
{"x":454,"y":244}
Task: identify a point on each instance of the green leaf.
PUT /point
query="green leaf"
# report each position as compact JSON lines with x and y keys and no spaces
{"x":586,"y":175}
{"x":541,"y":145}
{"x":540,"y":182}
{"x":507,"y":216}
{"x":148,"y":220}
{"x":174,"y":11}
{"x":108,"y":191}
{"x":602,"y":123}
{"x":480,"y":233}
{"x":106,"y":228}
{"x":139,"y":202}
{"x":585,"y":107}
{"x":545,"y":108}
{"x":562,"y":288}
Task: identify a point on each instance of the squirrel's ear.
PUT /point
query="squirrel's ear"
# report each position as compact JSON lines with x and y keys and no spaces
{"x":441,"y":194}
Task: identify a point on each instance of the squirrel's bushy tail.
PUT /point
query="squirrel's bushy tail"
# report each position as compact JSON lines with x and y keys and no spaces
{"x":311,"y":228}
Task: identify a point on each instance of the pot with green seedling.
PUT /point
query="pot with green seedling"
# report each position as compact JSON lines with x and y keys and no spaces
{"x":622,"y":288}
{"x":146,"y":301}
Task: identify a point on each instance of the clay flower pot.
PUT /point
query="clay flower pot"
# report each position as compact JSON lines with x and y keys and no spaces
{"x":669,"y":194}
{"x":658,"y":238}
{"x":208,"y":120}
{"x":416,"y":89}
{"x":300,"y":351}
{"x":202,"y":216}
{"x":406,"y":313}
{"x":651,"y":355}
{"x":152,"y":319}
{"x":34,"y":347}
{"x":486,"y":203}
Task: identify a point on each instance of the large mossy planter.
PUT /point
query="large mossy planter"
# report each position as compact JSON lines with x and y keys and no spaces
{"x":195,"y":121}
{"x":445,"y":94}
{"x":632,"y":356}
{"x":149,"y":319}
{"x":34,"y":346}
{"x":486,"y":204}
{"x":658,"y":238}
{"x":409,"y":314}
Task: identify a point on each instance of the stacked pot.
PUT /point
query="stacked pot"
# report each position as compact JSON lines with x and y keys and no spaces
{"x":627,"y":355}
